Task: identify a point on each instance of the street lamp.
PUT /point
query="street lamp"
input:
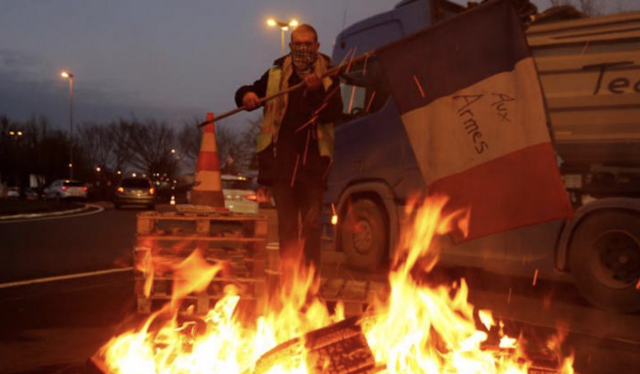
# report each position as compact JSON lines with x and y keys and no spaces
{"x":67,"y":75}
{"x":283,"y":27}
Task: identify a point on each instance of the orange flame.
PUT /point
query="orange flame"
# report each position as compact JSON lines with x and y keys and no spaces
{"x":417,"y":329}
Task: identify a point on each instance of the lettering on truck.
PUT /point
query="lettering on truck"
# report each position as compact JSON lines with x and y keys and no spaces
{"x":616,"y":84}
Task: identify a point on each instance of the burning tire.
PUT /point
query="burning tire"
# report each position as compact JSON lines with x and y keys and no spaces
{"x":363,"y":235}
{"x":605,"y":260}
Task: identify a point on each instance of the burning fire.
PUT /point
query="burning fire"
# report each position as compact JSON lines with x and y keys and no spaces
{"x":418,"y":329}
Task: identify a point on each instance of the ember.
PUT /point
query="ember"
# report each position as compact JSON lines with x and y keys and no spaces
{"x":416,"y":329}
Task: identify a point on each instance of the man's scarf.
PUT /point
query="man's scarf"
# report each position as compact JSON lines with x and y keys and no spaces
{"x":303,"y":57}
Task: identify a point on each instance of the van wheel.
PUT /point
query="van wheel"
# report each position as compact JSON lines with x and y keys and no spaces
{"x":363,"y":235}
{"x":605,"y":260}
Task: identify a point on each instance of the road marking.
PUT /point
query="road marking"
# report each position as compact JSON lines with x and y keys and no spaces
{"x":56,"y":215}
{"x":63,"y":277}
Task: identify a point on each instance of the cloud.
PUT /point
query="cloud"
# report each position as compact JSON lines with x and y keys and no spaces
{"x":13,"y":60}
{"x":27,"y":90}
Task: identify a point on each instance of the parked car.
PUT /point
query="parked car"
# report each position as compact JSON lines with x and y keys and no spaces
{"x":239,"y":196}
{"x":13,"y":192}
{"x":135,"y":191}
{"x":32,"y":193}
{"x":66,"y":189}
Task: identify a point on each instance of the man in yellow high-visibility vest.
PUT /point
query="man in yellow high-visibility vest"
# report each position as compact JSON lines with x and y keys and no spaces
{"x":295,"y":144}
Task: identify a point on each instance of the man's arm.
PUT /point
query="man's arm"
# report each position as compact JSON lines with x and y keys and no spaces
{"x":258,"y":89}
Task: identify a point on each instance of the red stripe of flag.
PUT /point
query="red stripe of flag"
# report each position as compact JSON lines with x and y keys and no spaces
{"x":494,"y":191}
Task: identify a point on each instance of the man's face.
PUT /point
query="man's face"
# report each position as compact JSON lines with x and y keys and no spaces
{"x":304,"y":38}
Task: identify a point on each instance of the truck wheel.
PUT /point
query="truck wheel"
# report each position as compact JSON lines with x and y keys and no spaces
{"x":364,"y":235}
{"x":605,"y":260}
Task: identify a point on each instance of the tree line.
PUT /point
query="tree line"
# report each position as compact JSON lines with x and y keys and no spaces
{"x":105,"y":152}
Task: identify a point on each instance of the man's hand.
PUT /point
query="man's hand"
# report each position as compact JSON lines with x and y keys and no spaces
{"x":313,"y":82}
{"x":250,"y":101}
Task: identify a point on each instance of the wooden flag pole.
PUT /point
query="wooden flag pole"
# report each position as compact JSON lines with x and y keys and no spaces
{"x":330,"y":72}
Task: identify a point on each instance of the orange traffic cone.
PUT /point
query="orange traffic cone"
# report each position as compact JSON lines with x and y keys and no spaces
{"x":208,"y":186}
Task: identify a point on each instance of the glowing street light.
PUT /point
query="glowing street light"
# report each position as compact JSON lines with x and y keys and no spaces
{"x":283,"y":28}
{"x":16,"y":134}
{"x":69,"y":76}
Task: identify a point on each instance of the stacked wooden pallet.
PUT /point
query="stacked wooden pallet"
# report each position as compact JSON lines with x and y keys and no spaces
{"x":236,"y":241}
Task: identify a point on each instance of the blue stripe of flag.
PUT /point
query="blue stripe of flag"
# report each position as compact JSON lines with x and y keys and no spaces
{"x":455,"y":54}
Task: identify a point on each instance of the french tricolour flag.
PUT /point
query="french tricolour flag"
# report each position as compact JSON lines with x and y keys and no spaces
{"x":470,"y":100}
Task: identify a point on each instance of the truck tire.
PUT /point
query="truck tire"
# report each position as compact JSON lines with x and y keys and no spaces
{"x":363,"y":235}
{"x":605,"y":260}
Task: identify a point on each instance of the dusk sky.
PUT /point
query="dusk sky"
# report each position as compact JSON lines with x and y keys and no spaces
{"x":163,"y":59}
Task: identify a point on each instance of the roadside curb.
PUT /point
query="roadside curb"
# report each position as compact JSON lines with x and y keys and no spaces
{"x":85,"y":208}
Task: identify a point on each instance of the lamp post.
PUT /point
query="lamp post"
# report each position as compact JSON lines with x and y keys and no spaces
{"x":283,"y":28}
{"x":69,"y":76}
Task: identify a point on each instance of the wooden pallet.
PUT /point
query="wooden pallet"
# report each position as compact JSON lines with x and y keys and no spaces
{"x":356,"y":295}
{"x":206,"y":225}
{"x":235,"y":240}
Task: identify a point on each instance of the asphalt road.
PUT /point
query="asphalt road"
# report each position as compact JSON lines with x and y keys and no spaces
{"x":66,"y":245}
{"x":54,"y":327}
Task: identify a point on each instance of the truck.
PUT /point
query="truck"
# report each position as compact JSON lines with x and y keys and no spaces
{"x":589,"y":69}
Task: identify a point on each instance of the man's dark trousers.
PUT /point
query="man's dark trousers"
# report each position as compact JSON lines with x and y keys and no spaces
{"x":303,"y":200}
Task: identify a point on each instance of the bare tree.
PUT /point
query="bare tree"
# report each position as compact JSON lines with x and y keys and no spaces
{"x":588,"y":7}
{"x":121,"y":153}
{"x":248,"y":143}
{"x":97,"y":144}
{"x":31,"y":147}
{"x":189,"y":139}
{"x":150,"y":144}
{"x":230,"y":144}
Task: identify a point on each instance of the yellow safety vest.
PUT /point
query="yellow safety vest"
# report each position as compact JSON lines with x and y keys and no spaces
{"x":269,"y":129}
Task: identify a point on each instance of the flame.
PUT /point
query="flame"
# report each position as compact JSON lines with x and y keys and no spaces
{"x":417,"y":329}
{"x":432,"y":330}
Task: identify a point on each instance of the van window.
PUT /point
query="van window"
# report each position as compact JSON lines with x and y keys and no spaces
{"x":363,"y":89}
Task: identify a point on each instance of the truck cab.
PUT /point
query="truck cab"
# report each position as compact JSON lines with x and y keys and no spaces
{"x":378,"y":174}
{"x":375,"y":172}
